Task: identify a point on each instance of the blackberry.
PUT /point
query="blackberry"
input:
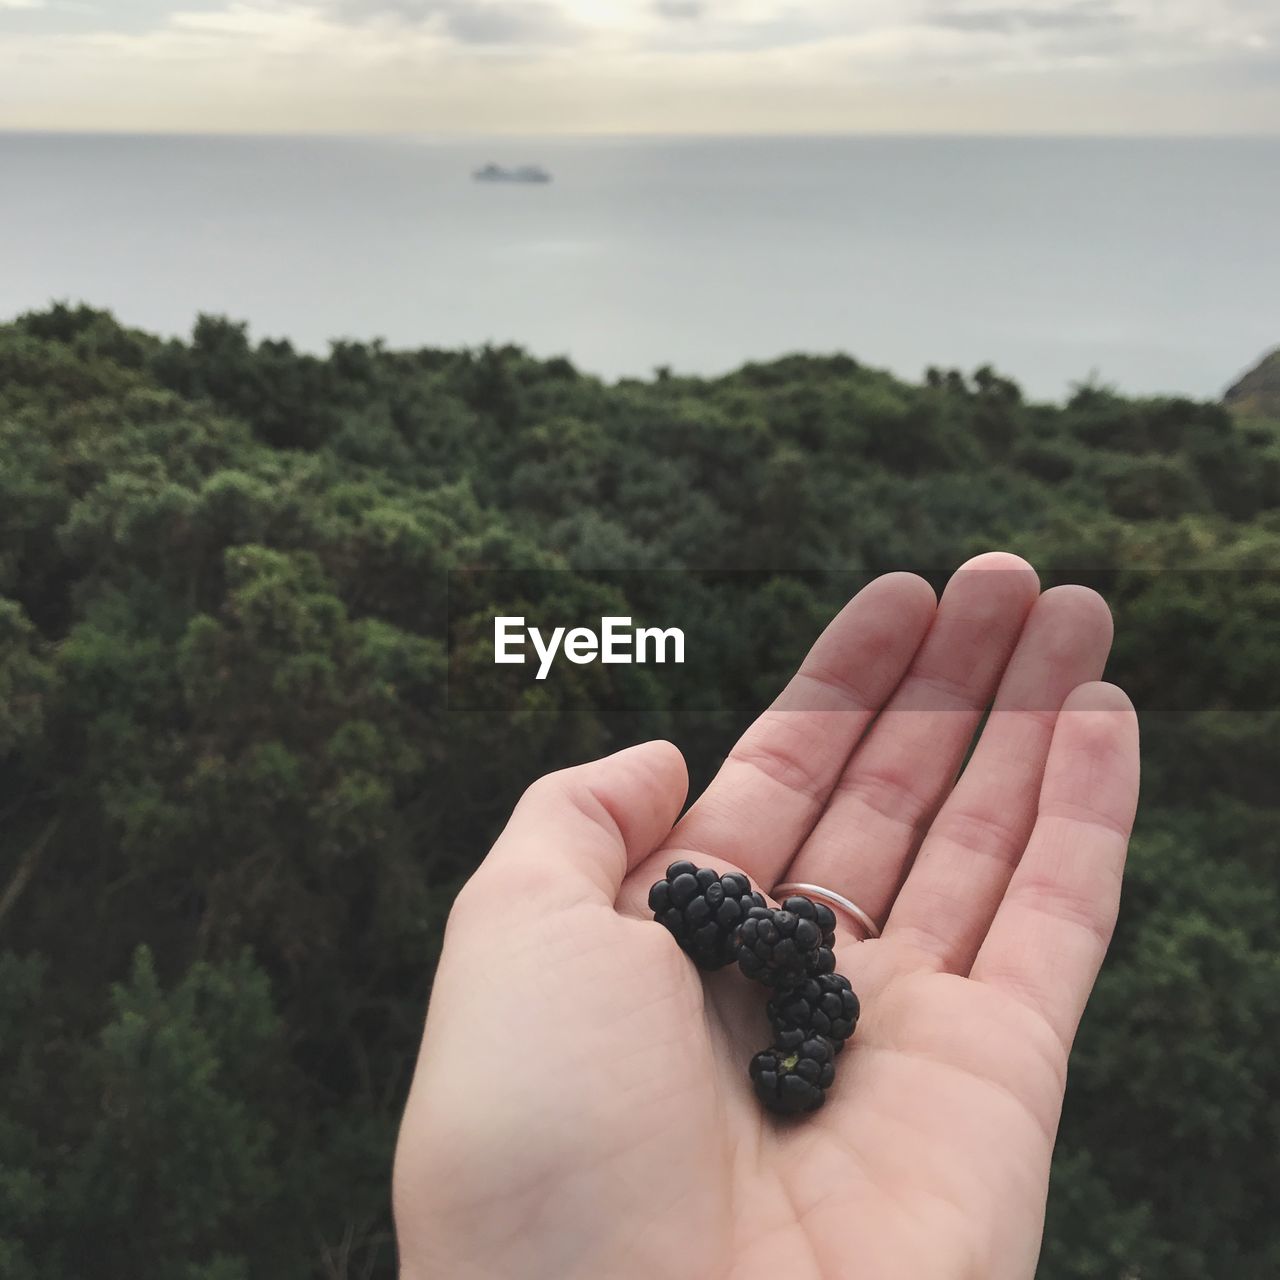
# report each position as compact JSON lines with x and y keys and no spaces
{"x":703,"y":910}
{"x":781,"y":945}
{"x":825,"y":1006}
{"x":792,"y":1080}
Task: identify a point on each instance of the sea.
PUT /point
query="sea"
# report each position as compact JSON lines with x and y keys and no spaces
{"x":1152,"y":265}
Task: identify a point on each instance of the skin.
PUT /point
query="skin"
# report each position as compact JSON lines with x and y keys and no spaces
{"x":581,"y":1106}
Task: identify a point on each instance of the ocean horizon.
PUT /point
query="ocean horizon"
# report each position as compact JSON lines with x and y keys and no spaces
{"x":1141,"y":262}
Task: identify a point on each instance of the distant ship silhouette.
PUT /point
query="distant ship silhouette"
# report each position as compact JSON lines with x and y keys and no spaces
{"x":522,"y":173}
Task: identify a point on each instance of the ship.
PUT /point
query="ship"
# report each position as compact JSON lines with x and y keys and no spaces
{"x":521,"y":173}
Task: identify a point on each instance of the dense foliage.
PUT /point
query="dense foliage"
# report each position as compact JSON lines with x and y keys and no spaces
{"x":251,"y":740}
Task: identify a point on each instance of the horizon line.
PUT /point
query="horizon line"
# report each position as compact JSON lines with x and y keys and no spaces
{"x":428,"y":135}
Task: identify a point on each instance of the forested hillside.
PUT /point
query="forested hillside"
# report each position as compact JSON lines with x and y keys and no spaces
{"x":251,"y":740}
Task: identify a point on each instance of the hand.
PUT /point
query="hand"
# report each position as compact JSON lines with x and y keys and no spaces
{"x":581,"y":1106}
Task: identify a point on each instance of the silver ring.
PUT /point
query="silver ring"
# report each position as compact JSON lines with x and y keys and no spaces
{"x":838,"y":900}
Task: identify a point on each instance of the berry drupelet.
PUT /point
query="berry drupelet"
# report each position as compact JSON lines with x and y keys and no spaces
{"x":781,"y":945}
{"x":794,"y":1079}
{"x":703,"y":910}
{"x":824,"y":1006}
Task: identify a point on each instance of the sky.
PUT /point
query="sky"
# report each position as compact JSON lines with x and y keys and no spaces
{"x":450,"y":67}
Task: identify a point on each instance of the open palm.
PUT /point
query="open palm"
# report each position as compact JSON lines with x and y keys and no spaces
{"x":581,"y":1105}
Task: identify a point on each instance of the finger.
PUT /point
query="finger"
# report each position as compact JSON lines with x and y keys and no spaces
{"x":962,"y":870}
{"x":896,"y":778}
{"x":775,"y":781}
{"x":575,"y":833}
{"x":1051,"y":931}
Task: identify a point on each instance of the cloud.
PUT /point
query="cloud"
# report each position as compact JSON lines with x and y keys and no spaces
{"x":73,"y":17}
{"x":680,"y":10}
{"x":642,"y":65}
{"x":470,"y":22}
{"x":507,"y":23}
{"x":1088,"y":14}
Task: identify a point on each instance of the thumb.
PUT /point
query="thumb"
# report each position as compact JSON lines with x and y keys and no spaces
{"x":576,"y":833}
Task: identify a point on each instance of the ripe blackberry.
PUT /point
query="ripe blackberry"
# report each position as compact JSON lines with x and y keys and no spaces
{"x":823,"y":1006}
{"x":792,"y":1080}
{"x":780,"y":945}
{"x":703,"y":910}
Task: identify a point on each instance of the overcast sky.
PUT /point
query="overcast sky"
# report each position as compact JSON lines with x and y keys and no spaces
{"x":642,"y":66}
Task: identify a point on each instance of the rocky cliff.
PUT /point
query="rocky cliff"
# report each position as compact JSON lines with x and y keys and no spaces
{"x":1257,"y":394}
